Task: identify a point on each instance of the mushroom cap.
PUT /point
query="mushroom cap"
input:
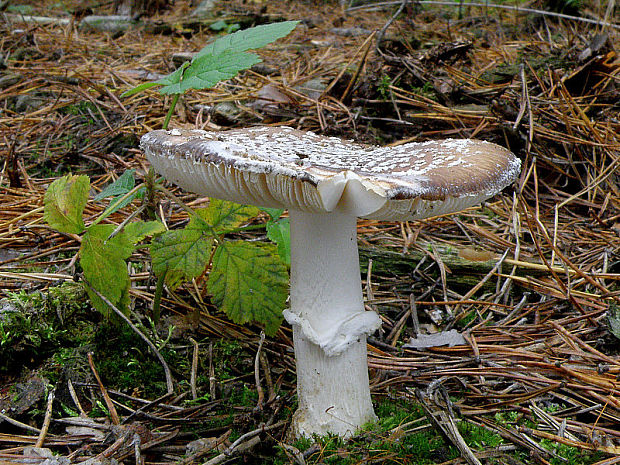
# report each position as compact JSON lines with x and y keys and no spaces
{"x":281,"y":167}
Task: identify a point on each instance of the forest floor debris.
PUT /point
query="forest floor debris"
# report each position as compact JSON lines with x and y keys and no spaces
{"x":536,"y":380}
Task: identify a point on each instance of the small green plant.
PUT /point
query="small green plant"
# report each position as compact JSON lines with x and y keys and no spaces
{"x":479,"y":437}
{"x":81,"y":108}
{"x":613,"y":320}
{"x":99,"y":410}
{"x":20,"y":9}
{"x":229,"y":356}
{"x":104,"y":248}
{"x":220,"y":60}
{"x":247,"y":280}
{"x":206,"y":397}
{"x":123,"y":362}
{"x":384,"y":86}
{"x":568,"y":454}
{"x":507,"y":417}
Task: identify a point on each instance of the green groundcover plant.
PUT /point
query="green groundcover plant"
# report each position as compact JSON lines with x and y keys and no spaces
{"x":218,"y":61}
{"x":247,"y":280}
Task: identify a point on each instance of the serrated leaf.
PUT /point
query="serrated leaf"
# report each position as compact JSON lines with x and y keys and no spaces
{"x":102,"y":307}
{"x":249,"y":282}
{"x":219,"y":60}
{"x":207,"y":71}
{"x":64,"y":201}
{"x":223,"y":216}
{"x":171,"y":83}
{"x":170,"y":80}
{"x":280,"y":233}
{"x":248,"y":39}
{"x":138,"y":230}
{"x":122,"y":185}
{"x":274,"y":213}
{"x":104,"y":264}
{"x":181,"y":254}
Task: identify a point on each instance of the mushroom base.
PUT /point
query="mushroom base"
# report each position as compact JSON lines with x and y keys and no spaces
{"x":329,"y":325}
{"x":333,"y":391}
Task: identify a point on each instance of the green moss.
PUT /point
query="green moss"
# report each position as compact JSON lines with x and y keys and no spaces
{"x":384,"y":87}
{"x":82,"y":108}
{"x":466,"y":319}
{"x":381,"y":442}
{"x":20,"y":9}
{"x":567,"y":454}
{"x":478,"y":437}
{"x":33,"y":325}
{"x":230,"y":359}
{"x":244,"y":396}
{"x":125,"y":363}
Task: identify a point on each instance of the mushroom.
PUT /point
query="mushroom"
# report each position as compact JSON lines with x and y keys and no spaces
{"x":327,"y":183}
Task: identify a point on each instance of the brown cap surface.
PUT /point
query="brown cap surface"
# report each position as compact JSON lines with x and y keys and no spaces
{"x":287,"y":168}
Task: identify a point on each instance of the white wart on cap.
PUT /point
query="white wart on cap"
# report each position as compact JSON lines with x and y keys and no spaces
{"x":283,"y":167}
{"x":326,"y":183}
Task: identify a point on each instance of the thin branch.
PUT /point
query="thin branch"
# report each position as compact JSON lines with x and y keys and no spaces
{"x":192,"y":379}
{"x":47,"y":420}
{"x":169,"y":384}
{"x":108,"y":402}
{"x":385,"y":27}
{"x":259,"y":388}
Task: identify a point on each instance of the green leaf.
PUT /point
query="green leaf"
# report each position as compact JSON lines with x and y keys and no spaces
{"x":181,"y":254}
{"x":232,"y":28}
{"x":138,"y":230}
{"x":118,"y":202}
{"x":274,"y":213}
{"x":104,"y":264}
{"x":118,"y":189}
{"x":170,"y":80}
{"x":280,"y":233}
{"x":218,"y":25}
{"x":138,"y":89}
{"x":219,"y":60}
{"x":249,"y":282}
{"x":208,"y":70}
{"x":224,"y":216}
{"x":121,"y":186}
{"x":248,"y":39}
{"x":64,"y":201}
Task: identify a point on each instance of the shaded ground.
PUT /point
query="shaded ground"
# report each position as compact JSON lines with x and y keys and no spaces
{"x":536,"y":381}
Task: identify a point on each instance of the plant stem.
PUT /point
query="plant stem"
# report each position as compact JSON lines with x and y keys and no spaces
{"x":175,"y":99}
{"x":157,"y":297}
{"x":148,"y":201}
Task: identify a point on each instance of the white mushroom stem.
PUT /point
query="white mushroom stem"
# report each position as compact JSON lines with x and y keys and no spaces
{"x":329,"y":325}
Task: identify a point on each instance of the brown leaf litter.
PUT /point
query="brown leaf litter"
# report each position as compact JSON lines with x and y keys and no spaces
{"x":529,"y":280}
